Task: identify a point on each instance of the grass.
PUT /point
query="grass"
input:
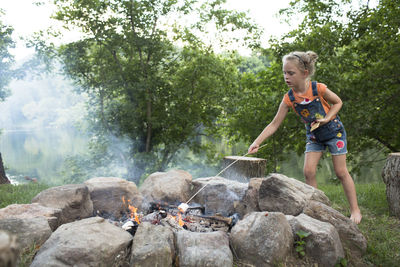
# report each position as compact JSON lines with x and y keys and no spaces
{"x":21,"y":194}
{"x":381,"y":230}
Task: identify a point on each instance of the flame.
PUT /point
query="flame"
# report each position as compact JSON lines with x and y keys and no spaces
{"x":180,"y":221}
{"x":133,"y":213}
{"x":133,"y":210}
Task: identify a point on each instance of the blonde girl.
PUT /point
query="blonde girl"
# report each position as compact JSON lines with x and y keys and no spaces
{"x":317,"y":107}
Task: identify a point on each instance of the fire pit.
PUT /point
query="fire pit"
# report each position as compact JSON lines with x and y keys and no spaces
{"x":162,"y":213}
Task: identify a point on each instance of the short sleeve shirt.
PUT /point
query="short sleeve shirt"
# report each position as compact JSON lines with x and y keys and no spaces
{"x":308,"y":97}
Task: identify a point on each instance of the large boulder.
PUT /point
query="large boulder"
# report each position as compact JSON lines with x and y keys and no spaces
{"x":249,"y":202}
{"x":172,"y":186}
{"x":279,"y":193}
{"x":218,"y":195}
{"x":8,"y":250}
{"x":73,"y":200}
{"x":262,"y":238}
{"x":352,"y":238}
{"x":27,"y":211}
{"x":323,"y":244}
{"x":203,"y":249}
{"x":29,"y":232}
{"x":111,"y":195}
{"x":88,"y":242}
{"x":153,"y":245}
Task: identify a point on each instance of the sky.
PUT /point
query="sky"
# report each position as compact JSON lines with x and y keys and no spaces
{"x":27,"y":18}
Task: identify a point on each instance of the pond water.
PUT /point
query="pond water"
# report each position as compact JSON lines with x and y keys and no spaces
{"x":39,"y":153}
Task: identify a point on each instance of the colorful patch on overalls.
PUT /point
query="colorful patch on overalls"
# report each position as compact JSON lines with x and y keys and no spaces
{"x":318,"y":116}
{"x":340,"y":145}
{"x":339,"y":135}
{"x":305,"y":112}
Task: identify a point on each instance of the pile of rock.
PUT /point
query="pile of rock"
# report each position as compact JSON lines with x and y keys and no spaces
{"x":62,"y":221}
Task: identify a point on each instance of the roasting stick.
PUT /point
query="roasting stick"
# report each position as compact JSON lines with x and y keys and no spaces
{"x":184,"y":206}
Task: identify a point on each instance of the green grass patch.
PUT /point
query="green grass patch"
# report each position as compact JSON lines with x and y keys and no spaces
{"x":19,"y":194}
{"x":381,"y":230}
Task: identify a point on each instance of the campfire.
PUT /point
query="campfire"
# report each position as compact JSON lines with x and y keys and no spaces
{"x":193,"y":219}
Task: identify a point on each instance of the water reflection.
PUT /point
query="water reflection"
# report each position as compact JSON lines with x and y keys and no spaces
{"x":39,"y":153}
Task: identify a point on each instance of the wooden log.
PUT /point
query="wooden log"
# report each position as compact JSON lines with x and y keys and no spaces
{"x":244,"y":168}
{"x":3,"y":177}
{"x":391,"y":177}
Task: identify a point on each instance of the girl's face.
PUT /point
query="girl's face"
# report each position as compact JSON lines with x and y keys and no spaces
{"x":294,"y":77}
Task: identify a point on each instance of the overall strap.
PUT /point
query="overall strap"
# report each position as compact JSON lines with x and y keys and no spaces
{"x":291,"y":96}
{"x":314,"y":88}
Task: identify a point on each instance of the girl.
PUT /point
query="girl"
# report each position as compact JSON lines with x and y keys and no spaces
{"x":310,"y":100}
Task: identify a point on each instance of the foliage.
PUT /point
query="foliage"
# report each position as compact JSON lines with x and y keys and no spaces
{"x":151,"y":78}
{"x":301,"y":242}
{"x":254,"y":106}
{"x":6,"y":59}
{"x":357,"y":59}
{"x":358,"y":54}
{"x":341,"y":263}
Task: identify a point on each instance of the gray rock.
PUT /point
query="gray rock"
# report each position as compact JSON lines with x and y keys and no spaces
{"x":27,"y":211}
{"x":172,"y":186}
{"x":220,"y":195}
{"x":108,"y":195}
{"x":262,"y":238}
{"x":8,"y":250}
{"x":279,"y":193}
{"x":249,"y":202}
{"x":88,"y":242}
{"x":29,"y":232}
{"x":203,"y":249}
{"x":351,"y":237}
{"x":323,"y":244}
{"x":153,"y":245}
{"x":73,"y":200}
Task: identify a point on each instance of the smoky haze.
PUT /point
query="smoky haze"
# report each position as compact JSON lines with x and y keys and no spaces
{"x":40,"y":126}
{"x":43,"y":136}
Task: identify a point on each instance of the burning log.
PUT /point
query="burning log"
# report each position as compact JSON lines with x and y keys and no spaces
{"x":244,"y":168}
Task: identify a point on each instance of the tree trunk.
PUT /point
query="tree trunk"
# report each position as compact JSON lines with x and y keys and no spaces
{"x":391,"y":177}
{"x":244,"y":168}
{"x":3,"y":177}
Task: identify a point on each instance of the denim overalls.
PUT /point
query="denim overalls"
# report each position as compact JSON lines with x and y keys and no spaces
{"x":333,"y":130}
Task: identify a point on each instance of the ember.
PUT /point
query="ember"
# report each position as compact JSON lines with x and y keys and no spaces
{"x":163,"y":213}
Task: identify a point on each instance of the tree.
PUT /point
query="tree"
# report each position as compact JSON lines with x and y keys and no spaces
{"x":6,"y":61}
{"x":142,"y":84}
{"x":255,"y":105}
{"x":358,"y":58}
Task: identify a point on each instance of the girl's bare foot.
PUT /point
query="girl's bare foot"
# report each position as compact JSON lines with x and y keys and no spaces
{"x":356,"y":216}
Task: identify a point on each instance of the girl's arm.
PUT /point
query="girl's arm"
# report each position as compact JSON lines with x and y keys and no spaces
{"x":271,"y":128}
{"x":336,"y":105}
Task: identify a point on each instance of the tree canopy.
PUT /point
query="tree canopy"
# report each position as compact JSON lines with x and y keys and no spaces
{"x":6,"y":59}
{"x":358,"y":57}
{"x":151,"y":73}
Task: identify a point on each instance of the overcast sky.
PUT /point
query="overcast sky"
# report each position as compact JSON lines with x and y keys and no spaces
{"x":26,"y":18}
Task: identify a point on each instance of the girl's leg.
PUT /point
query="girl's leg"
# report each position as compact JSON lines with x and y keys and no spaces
{"x":310,"y":167}
{"x":339,"y":164}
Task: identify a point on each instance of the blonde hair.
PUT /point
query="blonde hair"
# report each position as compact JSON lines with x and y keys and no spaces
{"x":304,"y":60}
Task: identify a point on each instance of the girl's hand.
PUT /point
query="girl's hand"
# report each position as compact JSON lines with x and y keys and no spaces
{"x":321,"y":121}
{"x":253,"y":148}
